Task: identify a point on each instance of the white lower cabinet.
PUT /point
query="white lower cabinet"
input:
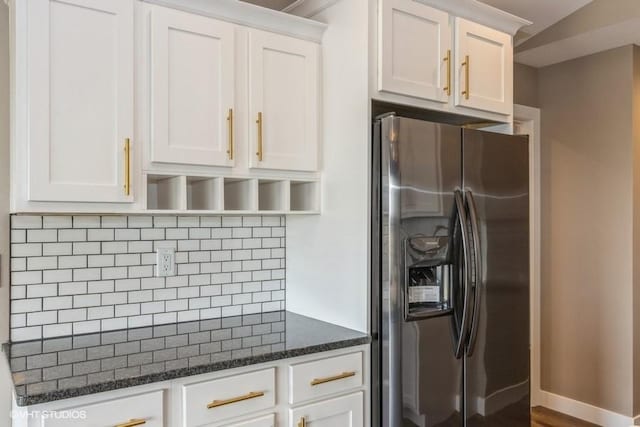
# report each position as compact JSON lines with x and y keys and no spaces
{"x":320,"y":390}
{"x":143,"y":409}
{"x":345,"y":411}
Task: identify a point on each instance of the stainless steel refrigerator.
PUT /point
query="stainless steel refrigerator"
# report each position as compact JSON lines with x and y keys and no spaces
{"x":450,"y":276}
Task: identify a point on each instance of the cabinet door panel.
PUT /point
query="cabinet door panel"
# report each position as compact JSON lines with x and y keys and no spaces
{"x":346,"y":411}
{"x":283,"y":86}
{"x":414,"y":42}
{"x":80,"y":99}
{"x":490,"y":68}
{"x":192,"y":88}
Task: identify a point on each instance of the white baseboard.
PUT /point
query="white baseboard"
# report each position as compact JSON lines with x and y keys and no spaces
{"x":584,"y":411}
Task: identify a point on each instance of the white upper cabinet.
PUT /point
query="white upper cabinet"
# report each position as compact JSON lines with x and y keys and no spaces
{"x":79,"y":102}
{"x":283,"y":102}
{"x":192,"y":93}
{"x":432,"y":58}
{"x":415,"y":50}
{"x":485,"y":60}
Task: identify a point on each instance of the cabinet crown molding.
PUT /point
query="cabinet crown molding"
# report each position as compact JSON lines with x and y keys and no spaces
{"x":248,"y":14}
{"x":481,"y":13}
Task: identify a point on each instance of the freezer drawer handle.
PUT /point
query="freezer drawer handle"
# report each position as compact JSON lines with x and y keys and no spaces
{"x":318,"y":381}
{"x":250,"y":395}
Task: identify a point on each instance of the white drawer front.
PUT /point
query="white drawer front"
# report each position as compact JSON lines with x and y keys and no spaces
{"x":324,"y":377}
{"x":213,"y":401}
{"x":344,"y":411}
{"x":143,"y":407}
{"x":266,"y":421}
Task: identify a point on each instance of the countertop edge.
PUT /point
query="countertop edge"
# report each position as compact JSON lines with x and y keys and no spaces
{"x":37,"y":399}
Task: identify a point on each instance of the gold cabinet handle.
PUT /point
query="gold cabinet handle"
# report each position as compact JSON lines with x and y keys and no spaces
{"x":250,"y":395}
{"x":317,"y":381}
{"x":447,"y":59}
{"x":302,"y":422}
{"x":127,"y":167}
{"x":230,"y":129}
{"x":466,"y":66}
{"x":259,"y":123}
{"x":133,"y":423}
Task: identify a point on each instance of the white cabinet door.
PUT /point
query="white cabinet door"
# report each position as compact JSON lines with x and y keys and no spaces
{"x":414,"y":50}
{"x":484,"y":59}
{"x":346,"y":411}
{"x":80,"y":102}
{"x":283,"y":91}
{"x":192,"y":88}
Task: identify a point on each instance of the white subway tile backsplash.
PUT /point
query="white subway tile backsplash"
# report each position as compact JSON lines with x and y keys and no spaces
{"x":86,"y":248}
{"x":73,"y":315}
{"x":140,"y":222}
{"x":42,"y":236}
{"x":38,"y":291}
{"x":56,"y":222}
{"x":42,"y":263}
{"x":114,"y":222}
{"x":86,"y":221}
{"x":72,"y":288}
{"x":84,"y":274}
{"x":56,"y":249}
{"x":26,"y":221}
{"x":72,"y":235}
{"x":74,"y":261}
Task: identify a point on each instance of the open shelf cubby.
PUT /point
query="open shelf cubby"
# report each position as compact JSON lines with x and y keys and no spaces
{"x":304,"y":196}
{"x":165,"y":192}
{"x":204,"y":193}
{"x":239,"y":194}
{"x":272,"y":195}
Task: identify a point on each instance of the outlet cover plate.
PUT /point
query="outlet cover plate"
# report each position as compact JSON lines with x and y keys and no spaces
{"x":165,"y":262}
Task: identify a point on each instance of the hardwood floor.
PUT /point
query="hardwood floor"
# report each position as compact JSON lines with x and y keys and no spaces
{"x":543,"y":417}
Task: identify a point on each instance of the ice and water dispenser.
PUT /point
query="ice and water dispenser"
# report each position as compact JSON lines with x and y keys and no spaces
{"x":427,"y":277}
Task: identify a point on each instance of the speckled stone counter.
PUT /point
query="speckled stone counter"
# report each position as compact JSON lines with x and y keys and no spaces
{"x":60,"y":368}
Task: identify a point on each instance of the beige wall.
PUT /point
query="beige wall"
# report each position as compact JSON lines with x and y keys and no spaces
{"x":587,"y":229}
{"x":636,"y":230}
{"x":5,"y":383}
{"x":525,"y":85}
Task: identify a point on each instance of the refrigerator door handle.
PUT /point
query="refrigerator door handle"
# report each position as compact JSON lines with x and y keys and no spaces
{"x":466,"y":318}
{"x":477,"y":282}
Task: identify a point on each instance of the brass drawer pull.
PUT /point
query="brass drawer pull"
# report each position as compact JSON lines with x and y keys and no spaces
{"x":302,"y":422}
{"x":447,"y":59}
{"x":230,"y":124}
{"x":318,"y":381}
{"x":133,"y":423}
{"x":259,"y":123}
{"x":250,"y":395}
{"x":466,"y":92}
{"x":127,"y":167}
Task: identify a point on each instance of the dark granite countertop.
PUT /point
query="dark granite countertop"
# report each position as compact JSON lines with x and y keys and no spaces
{"x":60,"y":368}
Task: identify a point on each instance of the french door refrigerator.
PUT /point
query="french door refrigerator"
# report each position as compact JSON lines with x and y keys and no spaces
{"x":450,"y":276}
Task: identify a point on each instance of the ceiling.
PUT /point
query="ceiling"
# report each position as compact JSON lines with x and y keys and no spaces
{"x":543,"y":13}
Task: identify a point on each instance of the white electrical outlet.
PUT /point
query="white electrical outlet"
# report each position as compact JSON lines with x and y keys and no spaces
{"x":165,"y":262}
